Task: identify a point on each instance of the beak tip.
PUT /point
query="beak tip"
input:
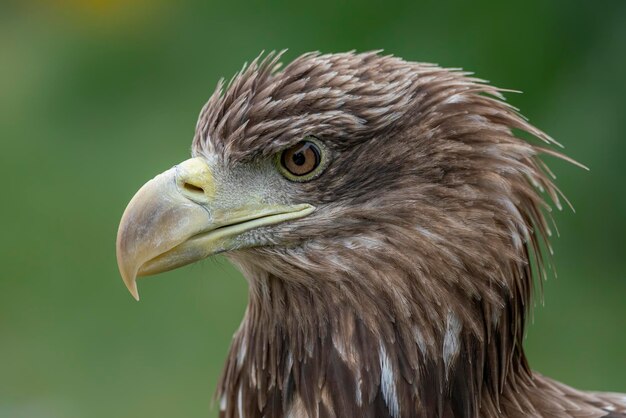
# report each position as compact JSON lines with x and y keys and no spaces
{"x":132,"y":288}
{"x":130,"y":280}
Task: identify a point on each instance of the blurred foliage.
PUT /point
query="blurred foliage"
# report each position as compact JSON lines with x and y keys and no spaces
{"x":98,"y":96}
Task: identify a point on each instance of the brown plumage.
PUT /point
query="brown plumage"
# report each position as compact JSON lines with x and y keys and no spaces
{"x":406,"y":292}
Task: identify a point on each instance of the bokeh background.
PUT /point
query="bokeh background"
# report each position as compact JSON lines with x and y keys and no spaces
{"x":97,"y":96}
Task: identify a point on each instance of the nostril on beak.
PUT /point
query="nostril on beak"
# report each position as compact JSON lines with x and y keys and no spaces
{"x":195,"y":180}
{"x":192,"y":188}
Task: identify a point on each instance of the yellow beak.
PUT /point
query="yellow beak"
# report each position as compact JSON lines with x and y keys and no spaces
{"x":183,"y":215}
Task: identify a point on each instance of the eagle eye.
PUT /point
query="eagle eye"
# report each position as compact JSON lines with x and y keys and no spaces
{"x":302,"y":161}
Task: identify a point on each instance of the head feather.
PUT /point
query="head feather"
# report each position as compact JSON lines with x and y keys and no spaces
{"x":408,"y":291}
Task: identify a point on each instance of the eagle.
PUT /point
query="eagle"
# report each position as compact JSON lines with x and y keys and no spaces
{"x":391,"y":219}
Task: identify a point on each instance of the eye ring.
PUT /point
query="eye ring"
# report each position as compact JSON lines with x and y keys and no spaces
{"x":302,"y":161}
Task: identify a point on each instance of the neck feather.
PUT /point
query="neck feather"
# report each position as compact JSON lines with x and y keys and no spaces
{"x":376,"y":342}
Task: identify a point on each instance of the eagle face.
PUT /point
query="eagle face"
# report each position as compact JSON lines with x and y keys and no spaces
{"x":334,"y":154}
{"x":295,"y":147}
{"x":386,"y":217}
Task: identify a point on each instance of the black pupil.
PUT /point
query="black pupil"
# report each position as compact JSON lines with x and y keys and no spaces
{"x":298,"y":158}
{"x":301,"y":159}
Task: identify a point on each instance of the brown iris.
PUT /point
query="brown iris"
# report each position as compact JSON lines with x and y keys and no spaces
{"x":301,"y":159}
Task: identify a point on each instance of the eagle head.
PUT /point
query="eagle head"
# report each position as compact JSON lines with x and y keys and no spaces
{"x":389,"y":220}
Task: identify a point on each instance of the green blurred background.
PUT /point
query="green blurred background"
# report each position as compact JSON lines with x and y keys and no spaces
{"x":98,"y":96}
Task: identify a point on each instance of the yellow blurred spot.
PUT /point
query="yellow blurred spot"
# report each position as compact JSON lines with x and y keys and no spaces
{"x":107,"y":8}
{"x":98,"y":7}
{"x":107,"y":13}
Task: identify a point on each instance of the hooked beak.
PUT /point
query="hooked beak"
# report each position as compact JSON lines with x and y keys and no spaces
{"x":182,"y":216}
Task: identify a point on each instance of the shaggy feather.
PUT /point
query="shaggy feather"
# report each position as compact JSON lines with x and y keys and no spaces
{"x":406,"y":293}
